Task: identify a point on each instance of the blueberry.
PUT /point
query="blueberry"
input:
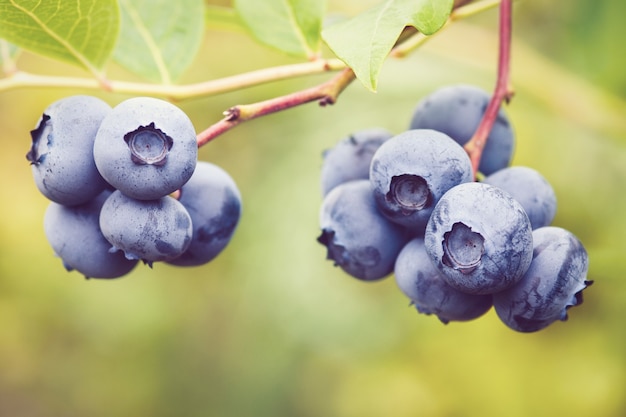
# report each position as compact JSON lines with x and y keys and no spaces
{"x":358,"y":238}
{"x":480,"y":238}
{"x":61,"y":154}
{"x":75,"y":236}
{"x":553,"y":283}
{"x":150,"y":230}
{"x":423,"y":284}
{"x":531,"y":189}
{"x":350,"y":158}
{"x":411,"y":171}
{"x":146,"y":148}
{"x":214,"y":203}
{"x":457,"y":110}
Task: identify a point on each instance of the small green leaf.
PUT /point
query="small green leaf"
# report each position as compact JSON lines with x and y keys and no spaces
{"x":223,"y":18}
{"x":80,"y":32}
{"x":159,"y":38}
{"x":364,"y":41}
{"x":292,"y":26}
{"x":8,"y":52}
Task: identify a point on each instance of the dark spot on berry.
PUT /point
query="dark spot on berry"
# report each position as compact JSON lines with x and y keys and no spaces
{"x":411,"y":192}
{"x":148,"y":145}
{"x":40,"y":140}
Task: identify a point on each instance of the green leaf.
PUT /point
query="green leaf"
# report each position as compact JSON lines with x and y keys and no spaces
{"x":8,"y":52}
{"x":292,"y":26}
{"x":223,"y":18}
{"x":159,"y":38}
{"x":81,"y":32}
{"x":364,"y":41}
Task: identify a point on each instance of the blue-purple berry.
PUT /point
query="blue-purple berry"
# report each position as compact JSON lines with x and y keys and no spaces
{"x":531,"y":189}
{"x":150,"y":230}
{"x":554,"y":282}
{"x":61,"y":153}
{"x":351,"y":157}
{"x":146,"y":148}
{"x":213,"y":201}
{"x":480,"y":238}
{"x":457,"y":110}
{"x":411,"y":171}
{"x":357,"y":237}
{"x":423,"y":284}
{"x":75,"y":236}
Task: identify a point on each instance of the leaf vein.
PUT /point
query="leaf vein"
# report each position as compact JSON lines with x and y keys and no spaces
{"x":54,"y":35}
{"x":296,"y":27}
{"x":153,"y":48}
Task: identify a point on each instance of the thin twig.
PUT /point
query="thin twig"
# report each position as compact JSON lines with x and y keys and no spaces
{"x":22,"y":79}
{"x":502,"y":92}
{"x":325,"y":94}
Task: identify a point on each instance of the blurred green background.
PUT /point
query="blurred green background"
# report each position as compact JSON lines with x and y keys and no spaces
{"x":270,"y":328}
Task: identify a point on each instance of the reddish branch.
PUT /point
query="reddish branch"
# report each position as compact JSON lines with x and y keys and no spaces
{"x":502,"y":92}
{"x":325,"y":94}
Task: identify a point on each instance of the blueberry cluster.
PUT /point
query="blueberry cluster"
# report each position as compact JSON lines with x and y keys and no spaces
{"x":408,"y":205}
{"x":125,"y":185}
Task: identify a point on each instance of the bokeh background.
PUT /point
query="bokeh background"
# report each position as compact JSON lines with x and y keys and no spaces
{"x":270,"y":328}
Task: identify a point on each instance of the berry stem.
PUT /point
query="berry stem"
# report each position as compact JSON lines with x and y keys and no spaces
{"x":502,"y":92}
{"x":325,"y":94}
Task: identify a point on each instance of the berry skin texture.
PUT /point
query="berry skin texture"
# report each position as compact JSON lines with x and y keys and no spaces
{"x":422,"y":283}
{"x":457,"y":110}
{"x":358,"y":238}
{"x":150,"y":230}
{"x":531,"y":189}
{"x":146,"y":148}
{"x":214,"y":203}
{"x":61,"y":154}
{"x":553,"y":283}
{"x":75,"y":236}
{"x":350,"y":158}
{"x":480,"y":238}
{"x":411,"y":171}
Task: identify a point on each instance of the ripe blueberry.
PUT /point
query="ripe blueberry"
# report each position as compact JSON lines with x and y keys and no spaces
{"x":358,"y":238}
{"x":423,"y":284}
{"x":74,"y":234}
{"x":457,"y":110}
{"x":411,"y":171}
{"x":61,"y":154}
{"x":350,"y":158}
{"x":214,"y":203}
{"x":553,"y":283}
{"x":146,"y":148}
{"x":150,"y":230}
{"x":480,"y":238}
{"x":531,"y":189}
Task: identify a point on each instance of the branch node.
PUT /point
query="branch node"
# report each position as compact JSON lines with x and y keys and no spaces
{"x":105,"y":84}
{"x":232,"y":114}
{"x":509,"y":94}
{"x":327,"y":101}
